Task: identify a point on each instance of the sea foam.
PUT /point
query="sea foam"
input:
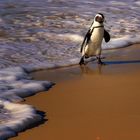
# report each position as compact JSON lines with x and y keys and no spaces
{"x":121,"y":42}
{"x":15,"y":85}
{"x":15,"y":118}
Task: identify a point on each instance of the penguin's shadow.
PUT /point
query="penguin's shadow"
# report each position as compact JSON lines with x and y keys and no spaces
{"x":116,"y":62}
{"x":98,"y":69}
{"x":122,"y":62}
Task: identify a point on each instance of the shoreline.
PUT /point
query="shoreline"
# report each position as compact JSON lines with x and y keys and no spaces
{"x":91,"y":102}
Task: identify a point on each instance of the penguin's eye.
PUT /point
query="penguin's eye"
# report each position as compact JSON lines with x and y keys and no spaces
{"x":99,"y":19}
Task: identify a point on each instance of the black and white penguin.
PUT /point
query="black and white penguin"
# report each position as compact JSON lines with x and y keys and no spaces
{"x":92,"y":42}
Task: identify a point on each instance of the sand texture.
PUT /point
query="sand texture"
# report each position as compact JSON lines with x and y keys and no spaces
{"x":92,"y":102}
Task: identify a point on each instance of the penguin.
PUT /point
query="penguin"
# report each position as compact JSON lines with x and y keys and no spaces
{"x":91,"y":45}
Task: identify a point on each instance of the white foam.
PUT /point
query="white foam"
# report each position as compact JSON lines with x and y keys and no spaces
{"x":118,"y":3}
{"x":113,"y":44}
{"x":71,"y":37}
{"x":59,"y":64}
{"x":15,"y":84}
{"x":137,"y":2}
{"x":19,"y":118}
{"x":121,"y":42}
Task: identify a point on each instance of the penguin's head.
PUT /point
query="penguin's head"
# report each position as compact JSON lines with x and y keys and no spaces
{"x":99,"y":18}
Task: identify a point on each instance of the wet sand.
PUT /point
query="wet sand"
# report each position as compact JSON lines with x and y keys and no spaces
{"x":92,"y":102}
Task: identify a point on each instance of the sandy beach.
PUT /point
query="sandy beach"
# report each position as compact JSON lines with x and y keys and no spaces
{"x":92,"y":102}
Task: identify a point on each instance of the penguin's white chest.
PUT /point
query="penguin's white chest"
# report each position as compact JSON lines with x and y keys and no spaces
{"x":94,"y":45}
{"x":97,"y":36}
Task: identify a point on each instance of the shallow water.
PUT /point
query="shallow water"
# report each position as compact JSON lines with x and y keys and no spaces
{"x":47,"y":31}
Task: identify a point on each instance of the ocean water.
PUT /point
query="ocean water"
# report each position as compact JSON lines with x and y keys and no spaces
{"x":50,"y":31}
{"x":47,"y":34}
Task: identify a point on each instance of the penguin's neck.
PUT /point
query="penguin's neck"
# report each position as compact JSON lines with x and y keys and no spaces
{"x":96,"y":24}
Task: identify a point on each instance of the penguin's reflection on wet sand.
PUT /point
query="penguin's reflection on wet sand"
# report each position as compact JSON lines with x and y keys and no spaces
{"x":89,"y":70}
{"x":113,"y":67}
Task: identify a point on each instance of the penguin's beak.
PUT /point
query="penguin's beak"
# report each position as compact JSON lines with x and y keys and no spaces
{"x":99,"y":19}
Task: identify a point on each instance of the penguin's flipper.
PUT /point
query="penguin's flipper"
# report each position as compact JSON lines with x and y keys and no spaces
{"x":86,"y":40}
{"x":106,"y":36}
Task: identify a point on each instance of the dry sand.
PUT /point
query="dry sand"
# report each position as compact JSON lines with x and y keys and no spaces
{"x":92,"y":102}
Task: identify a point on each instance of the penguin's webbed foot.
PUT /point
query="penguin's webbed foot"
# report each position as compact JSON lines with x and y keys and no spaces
{"x":100,"y":61}
{"x":82,"y":62}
